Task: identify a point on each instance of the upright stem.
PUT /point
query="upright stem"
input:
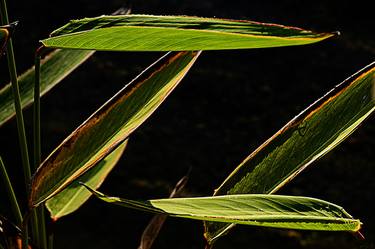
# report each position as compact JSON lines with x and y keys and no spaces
{"x":11,"y":195}
{"x":17,"y":99}
{"x":19,"y":115}
{"x":37,"y":139}
{"x":25,"y":231}
{"x":37,"y":145}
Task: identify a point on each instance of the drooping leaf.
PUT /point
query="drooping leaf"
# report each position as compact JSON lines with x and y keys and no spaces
{"x":54,"y":68}
{"x":175,"y":33}
{"x":109,"y":126}
{"x":291,"y":212}
{"x":75,"y":195}
{"x":307,"y":137}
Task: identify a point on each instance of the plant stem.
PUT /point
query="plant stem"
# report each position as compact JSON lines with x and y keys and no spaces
{"x":25,"y":232}
{"x":37,"y":139}
{"x":50,"y":241}
{"x":19,"y":115}
{"x":11,"y":195}
{"x":17,"y":99}
{"x":37,"y":145}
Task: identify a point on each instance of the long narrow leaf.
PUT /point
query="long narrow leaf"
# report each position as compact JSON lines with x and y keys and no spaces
{"x":54,"y":68}
{"x":75,"y":195}
{"x":277,"y":211}
{"x":109,"y":126}
{"x":307,"y":137}
{"x":175,"y":33}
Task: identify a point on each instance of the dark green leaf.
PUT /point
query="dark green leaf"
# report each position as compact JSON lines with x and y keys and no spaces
{"x":54,"y":68}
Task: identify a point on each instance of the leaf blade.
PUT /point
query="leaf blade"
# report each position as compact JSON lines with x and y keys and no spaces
{"x":75,"y":195}
{"x":288,"y":212}
{"x":54,"y":68}
{"x":110,"y":125}
{"x":306,"y":138}
{"x":175,"y":33}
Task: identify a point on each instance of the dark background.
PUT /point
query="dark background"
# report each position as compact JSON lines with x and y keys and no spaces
{"x":228,"y":104}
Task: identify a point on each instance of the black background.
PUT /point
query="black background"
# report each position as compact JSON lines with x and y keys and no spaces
{"x":228,"y":104}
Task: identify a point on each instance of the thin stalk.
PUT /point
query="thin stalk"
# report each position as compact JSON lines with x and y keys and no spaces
{"x":25,"y":231}
{"x":11,"y":195}
{"x":50,"y":241}
{"x":19,"y":115}
{"x":37,"y":139}
{"x":37,"y":146}
{"x":17,"y":99}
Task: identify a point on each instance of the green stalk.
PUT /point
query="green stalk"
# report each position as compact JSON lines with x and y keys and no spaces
{"x":19,"y":115}
{"x":37,"y":146}
{"x":17,"y":99}
{"x":11,"y":195}
{"x":25,"y":231}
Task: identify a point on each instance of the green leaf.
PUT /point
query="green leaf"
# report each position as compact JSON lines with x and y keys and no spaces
{"x":54,"y":68}
{"x":75,"y":195}
{"x":175,"y":33}
{"x":109,"y":126}
{"x":307,"y":137}
{"x":290,"y":212}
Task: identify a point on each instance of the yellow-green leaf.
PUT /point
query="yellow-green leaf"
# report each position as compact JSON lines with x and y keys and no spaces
{"x":75,"y":195}
{"x":109,"y":126}
{"x":175,"y":33}
{"x":288,"y":212}
{"x":307,"y":137}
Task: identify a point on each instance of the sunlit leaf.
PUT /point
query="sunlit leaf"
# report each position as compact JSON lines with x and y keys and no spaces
{"x":109,"y":126}
{"x":175,"y":33}
{"x":307,"y":137}
{"x":54,"y":68}
{"x":291,"y":212}
{"x":75,"y":195}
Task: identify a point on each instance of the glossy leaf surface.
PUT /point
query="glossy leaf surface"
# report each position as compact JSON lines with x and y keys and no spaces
{"x":277,"y":211}
{"x":109,"y":126}
{"x":54,"y":68}
{"x":175,"y":33}
{"x":75,"y":195}
{"x":307,"y":137}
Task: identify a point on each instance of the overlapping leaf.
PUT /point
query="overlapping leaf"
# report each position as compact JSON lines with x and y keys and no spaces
{"x":75,"y":195}
{"x":54,"y":68}
{"x":175,"y":33}
{"x":109,"y":126}
{"x":307,"y":137}
{"x":277,"y":211}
